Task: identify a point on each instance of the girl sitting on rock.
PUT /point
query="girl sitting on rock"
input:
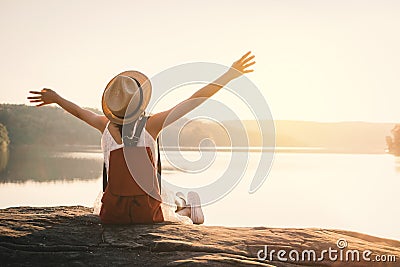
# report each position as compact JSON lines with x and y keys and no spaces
{"x":132,"y":193}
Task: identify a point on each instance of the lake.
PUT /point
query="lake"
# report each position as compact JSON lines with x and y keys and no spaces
{"x":357,"y":192}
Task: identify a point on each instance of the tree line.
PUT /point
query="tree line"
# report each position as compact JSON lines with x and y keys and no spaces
{"x":51,"y":125}
{"x":28,"y":125}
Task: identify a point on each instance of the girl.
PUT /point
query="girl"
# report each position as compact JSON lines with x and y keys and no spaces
{"x":124,"y":101}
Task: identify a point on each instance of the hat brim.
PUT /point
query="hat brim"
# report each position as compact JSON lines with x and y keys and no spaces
{"x":146,"y":87}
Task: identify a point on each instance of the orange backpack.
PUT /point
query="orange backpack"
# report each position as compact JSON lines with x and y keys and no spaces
{"x":132,"y":192}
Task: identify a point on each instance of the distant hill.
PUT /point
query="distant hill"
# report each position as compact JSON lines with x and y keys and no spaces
{"x":27,"y":125}
{"x":344,"y":136}
{"x":360,"y":137}
{"x":348,"y":137}
{"x":53,"y":126}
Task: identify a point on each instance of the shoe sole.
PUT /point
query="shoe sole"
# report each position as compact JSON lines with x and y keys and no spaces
{"x":196,"y":213}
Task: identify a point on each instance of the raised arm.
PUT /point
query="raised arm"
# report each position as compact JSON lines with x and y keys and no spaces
{"x":161,"y":120}
{"x":48,"y":96}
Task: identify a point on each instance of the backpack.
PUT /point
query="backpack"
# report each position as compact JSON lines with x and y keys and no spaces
{"x":132,"y":192}
{"x":139,"y":129}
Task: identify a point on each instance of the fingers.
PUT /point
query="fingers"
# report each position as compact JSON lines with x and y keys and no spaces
{"x":37,"y":97}
{"x":248,"y":59}
{"x":36,"y":92}
{"x":248,"y":65}
{"x":241,"y":66}
{"x":247,"y":71}
{"x":41,"y":103}
{"x":243,"y":57}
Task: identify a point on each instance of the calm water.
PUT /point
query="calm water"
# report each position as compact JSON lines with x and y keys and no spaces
{"x":340,"y":191}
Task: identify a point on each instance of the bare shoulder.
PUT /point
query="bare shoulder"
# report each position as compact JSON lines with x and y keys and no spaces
{"x":154,"y":125}
{"x":102,"y":123}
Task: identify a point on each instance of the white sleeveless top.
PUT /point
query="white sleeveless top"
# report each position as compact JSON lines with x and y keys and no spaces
{"x":108,"y":144}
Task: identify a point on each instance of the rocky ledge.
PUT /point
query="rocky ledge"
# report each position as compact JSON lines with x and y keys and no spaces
{"x":60,"y":236}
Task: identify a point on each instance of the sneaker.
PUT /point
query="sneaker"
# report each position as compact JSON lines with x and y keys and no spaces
{"x":180,"y":201}
{"x":196,"y":213}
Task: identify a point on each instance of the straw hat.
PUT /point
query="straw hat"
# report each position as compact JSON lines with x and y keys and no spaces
{"x":126,"y":97}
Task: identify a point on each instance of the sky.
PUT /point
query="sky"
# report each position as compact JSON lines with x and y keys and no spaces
{"x":317,"y":60}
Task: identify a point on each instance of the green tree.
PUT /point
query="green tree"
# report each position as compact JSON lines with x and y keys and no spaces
{"x":4,"y":140}
{"x":45,"y":126}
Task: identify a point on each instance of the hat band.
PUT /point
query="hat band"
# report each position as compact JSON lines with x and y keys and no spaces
{"x":140,"y":101}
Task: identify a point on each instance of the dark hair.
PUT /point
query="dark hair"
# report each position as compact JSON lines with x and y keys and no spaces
{"x":120,"y":129}
{"x":129,"y":125}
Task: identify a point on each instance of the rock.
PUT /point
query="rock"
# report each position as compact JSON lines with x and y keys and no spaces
{"x":66,"y":236}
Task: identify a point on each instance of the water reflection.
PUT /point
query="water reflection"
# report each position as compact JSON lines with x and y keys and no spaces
{"x":40,"y":164}
{"x":4,"y":154}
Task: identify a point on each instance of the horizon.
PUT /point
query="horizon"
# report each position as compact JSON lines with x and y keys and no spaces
{"x":288,"y":120}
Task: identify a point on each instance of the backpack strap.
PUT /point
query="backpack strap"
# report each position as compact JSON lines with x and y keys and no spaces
{"x":159,"y":168}
{"x":104,"y":177}
{"x":134,"y":139}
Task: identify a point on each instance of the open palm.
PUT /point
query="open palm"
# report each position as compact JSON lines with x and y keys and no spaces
{"x":242,"y":65}
{"x":44,"y":97}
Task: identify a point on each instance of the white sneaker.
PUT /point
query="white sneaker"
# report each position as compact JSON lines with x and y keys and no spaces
{"x":196,"y":213}
{"x":180,"y":201}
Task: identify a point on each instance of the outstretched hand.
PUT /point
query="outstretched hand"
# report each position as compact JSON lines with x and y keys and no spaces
{"x":44,"y":97}
{"x":241,"y":66}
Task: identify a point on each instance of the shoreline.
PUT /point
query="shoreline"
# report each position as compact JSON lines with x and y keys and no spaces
{"x":74,"y":236}
{"x":315,"y":150}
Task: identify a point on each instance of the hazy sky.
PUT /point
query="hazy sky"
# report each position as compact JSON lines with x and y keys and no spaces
{"x":316,"y":60}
